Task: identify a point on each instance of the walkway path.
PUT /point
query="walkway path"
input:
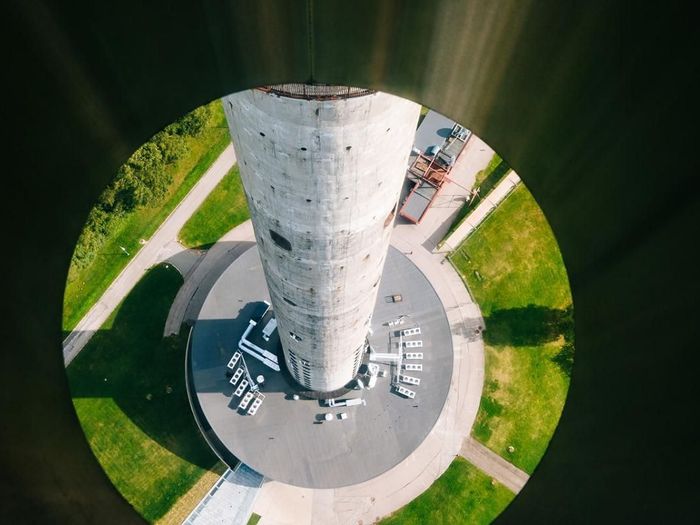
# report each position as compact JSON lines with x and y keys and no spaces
{"x":494,"y":465}
{"x":155,"y":250}
{"x":231,"y":499}
{"x":191,"y":295}
{"x":483,"y":210}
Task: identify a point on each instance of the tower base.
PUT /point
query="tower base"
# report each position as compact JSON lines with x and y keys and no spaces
{"x":306,"y":442}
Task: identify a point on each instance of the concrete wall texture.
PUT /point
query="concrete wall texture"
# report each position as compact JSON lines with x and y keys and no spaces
{"x":322,"y":180}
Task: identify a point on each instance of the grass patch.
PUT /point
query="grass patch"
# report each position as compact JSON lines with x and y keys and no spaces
{"x":463,"y":494}
{"x":423,"y":112}
{"x":254,"y":519}
{"x":86,"y":285}
{"x":224,"y":208}
{"x":517,"y":258}
{"x":128,"y":389}
{"x":514,"y":269}
{"x":523,"y":397}
{"x":486,"y":180}
{"x":187,"y":503}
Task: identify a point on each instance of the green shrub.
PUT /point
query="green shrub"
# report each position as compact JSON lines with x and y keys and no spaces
{"x":193,"y":123}
{"x":172,"y":147}
{"x":143,"y":180}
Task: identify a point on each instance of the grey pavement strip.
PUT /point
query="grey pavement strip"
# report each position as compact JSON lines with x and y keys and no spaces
{"x":493,"y":465}
{"x":146,"y":257}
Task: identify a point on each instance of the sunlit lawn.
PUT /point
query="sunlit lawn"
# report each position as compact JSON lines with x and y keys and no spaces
{"x":462,"y":495}
{"x":514,"y":269}
{"x":224,"y":208}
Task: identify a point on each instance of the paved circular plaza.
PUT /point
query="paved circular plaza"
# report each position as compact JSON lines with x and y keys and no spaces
{"x":290,"y":440}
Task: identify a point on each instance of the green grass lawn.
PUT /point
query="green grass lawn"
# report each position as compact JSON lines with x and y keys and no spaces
{"x":128,"y":388}
{"x":514,"y":269}
{"x":523,"y":397}
{"x":224,"y":208}
{"x":462,"y":495}
{"x":86,"y":285}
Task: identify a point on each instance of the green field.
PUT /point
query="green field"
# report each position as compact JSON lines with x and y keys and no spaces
{"x":86,"y":285}
{"x":128,"y":388}
{"x":462,"y":495}
{"x":224,"y":208}
{"x":515,"y":272}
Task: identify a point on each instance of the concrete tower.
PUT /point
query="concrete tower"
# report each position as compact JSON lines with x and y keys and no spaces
{"x":322,"y":168}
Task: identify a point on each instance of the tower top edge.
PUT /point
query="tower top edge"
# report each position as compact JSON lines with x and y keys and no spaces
{"x":316,"y":91}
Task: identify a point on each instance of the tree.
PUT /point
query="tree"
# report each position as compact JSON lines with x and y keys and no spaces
{"x":143,"y":180}
{"x":194,"y":122}
{"x":172,"y":147}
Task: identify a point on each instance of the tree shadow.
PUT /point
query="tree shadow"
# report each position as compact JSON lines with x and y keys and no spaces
{"x":144,"y":373}
{"x":527,"y":326}
{"x":533,"y":325}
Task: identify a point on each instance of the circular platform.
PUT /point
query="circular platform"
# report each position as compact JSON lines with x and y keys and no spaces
{"x":292,"y":441}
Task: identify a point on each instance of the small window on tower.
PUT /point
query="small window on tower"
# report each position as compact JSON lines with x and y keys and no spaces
{"x":294,"y":336}
{"x":280,"y":241}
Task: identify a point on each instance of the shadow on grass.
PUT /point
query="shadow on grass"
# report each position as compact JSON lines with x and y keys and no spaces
{"x":490,"y":407}
{"x":528,"y":326}
{"x":533,"y":325}
{"x":143,"y":372}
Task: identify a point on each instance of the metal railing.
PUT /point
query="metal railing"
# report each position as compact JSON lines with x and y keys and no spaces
{"x":316,"y":91}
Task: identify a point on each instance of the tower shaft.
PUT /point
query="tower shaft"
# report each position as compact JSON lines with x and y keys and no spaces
{"x":322,"y":176}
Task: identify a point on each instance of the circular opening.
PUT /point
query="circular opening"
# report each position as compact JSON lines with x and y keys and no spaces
{"x":127,"y":382}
